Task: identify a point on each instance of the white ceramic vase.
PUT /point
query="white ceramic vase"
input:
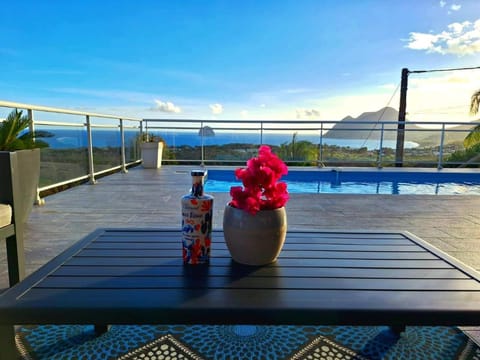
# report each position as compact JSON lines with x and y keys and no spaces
{"x":254,"y":239}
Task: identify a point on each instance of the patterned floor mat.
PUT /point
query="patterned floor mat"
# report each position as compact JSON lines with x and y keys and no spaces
{"x":242,"y":342}
{"x":165,"y":347}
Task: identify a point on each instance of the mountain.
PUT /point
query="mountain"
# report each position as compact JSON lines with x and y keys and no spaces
{"x":359,"y":128}
{"x":455,"y":134}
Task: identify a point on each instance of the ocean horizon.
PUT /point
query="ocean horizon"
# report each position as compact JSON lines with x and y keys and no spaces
{"x":77,"y":138}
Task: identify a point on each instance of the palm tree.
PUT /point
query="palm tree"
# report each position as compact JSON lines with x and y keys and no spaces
{"x":475,"y":102}
{"x":14,"y":134}
{"x":473,"y":137}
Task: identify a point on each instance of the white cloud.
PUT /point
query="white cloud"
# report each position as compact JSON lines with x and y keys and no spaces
{"x":422,"y":41}
{"x":443,"y":3}
{"x":166,"y":107}
{"x":307,"y":113}
{"x":455,"y":7}
{"x":244,"y":114}
{"x":460,"y":39}
{"x":216,"y":108}
{"x":458,"y":28}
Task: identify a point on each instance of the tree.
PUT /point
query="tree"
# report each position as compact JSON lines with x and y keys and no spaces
{"x":298,"y":150}
{"x":473,"y":137}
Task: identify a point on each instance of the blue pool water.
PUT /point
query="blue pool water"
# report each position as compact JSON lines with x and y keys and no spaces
{"x":364,"y":182}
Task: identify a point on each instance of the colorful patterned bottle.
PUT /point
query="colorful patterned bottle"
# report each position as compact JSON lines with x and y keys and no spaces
{"x":197,"y":221}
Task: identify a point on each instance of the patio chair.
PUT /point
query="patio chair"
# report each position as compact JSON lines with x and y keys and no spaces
{"x":10,"y":230}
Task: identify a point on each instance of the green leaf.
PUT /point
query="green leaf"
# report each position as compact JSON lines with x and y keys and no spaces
{"x":473,"y":138}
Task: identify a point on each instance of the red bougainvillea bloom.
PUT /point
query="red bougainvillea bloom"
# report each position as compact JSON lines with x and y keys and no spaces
{"x":261,"y":189}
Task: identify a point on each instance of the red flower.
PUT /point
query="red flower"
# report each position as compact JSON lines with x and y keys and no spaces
{"x":261,"y":189}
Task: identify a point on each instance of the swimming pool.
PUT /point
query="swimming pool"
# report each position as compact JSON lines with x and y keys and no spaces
{"x":383,"y":181}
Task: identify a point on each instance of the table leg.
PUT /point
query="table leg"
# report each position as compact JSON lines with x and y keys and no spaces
{"x":7,"y":343}
{"x":101,"y":329}
{"x":398,"y":329}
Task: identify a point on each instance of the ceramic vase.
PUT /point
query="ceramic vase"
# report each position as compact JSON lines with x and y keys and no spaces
{"x":254,"y":239}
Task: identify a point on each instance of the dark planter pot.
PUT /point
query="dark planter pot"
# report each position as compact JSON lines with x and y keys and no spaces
{"x":19,"y":181}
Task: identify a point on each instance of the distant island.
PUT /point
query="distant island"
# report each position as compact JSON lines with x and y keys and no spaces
{"x":206,"y":131}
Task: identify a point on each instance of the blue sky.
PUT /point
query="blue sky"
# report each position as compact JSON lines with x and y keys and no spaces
{"x":302,"y":59}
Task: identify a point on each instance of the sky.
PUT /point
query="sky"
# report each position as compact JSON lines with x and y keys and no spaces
{"x":249,"y":59}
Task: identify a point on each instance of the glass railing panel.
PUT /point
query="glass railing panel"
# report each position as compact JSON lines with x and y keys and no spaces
{"x":454,"y":152}
{"x":421,"y":146}
{"x":181,"y":145}
{"x":295,"y":146}
{"x":215,"y":146}
{"x":106,"y":148}
{"x":132,"y":145}
{"x":231,"y":146}
{"x":65,"y":158}
{"x":345,"y":150}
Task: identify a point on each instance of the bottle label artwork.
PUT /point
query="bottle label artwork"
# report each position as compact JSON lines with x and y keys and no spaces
{"x":197,"y":222}
{"x":197,"y":231}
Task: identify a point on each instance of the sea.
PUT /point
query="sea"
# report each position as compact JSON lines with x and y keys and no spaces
{"x":77,"y":138}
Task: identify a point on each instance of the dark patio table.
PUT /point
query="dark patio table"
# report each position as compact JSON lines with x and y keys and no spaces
{"x":136,"y":276}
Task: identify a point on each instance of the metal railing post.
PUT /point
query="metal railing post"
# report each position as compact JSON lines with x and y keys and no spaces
{"x":320,"y":146}
{"x":440,"y":150}
{"x":202,"y":147}
{"x":380,"y":148}
{"x":31,"y":128}
{"x":31,"y":124}
{"x":122,"y":140}
{"x":138,"y":151}
{"x":261,"y":133}
{"x":91,"y":169}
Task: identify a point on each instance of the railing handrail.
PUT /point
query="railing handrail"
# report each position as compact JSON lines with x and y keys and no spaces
{"x":11,"y":104}
{"x":310,"y":122}
{"x":305,"y":129}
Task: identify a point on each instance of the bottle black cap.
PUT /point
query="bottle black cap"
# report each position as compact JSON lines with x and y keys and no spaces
{"x":198,"y":172}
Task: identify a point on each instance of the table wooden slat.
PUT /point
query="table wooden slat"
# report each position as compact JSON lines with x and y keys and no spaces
{"x":210,"y":282}
{"x":271,"y":271}
{"x":225,"y":261}
{"x":157,"y":245}
{"x":313,"y":254}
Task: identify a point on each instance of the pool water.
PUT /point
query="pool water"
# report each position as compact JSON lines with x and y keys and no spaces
{"x":364,"y":182}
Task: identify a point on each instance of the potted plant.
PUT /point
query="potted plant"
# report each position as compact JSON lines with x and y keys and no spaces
{"x":152,"y":150}
{"x":255,"y":220}
{"x":20,"y":161}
